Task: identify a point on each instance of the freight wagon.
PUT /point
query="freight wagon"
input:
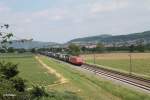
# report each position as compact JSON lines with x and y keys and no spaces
{"x":76,"y":60}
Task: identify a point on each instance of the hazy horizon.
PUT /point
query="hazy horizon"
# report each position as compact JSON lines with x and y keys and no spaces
{"x":89,"y":36}
{"x":61,"y":21}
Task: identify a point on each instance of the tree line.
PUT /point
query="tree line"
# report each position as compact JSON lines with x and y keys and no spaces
{"x":100,"y":48}
{"x":74,"y":49}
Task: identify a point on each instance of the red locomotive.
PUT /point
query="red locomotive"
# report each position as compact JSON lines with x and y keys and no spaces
{"x":76,"y":60}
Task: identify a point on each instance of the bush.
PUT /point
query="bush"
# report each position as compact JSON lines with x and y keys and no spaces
{"x":8,"y":70}
{"x":11,"y":50}
{"x":14,"y":88}
{"x":38,"y":92}
{"x":19,"y":84}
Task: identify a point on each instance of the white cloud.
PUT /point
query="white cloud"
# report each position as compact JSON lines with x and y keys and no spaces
{"x":51,"y":14}
{"x":43,"y":13}
{"x":4,"y":8}
{"x":65,"y":19}
{"x":148,"y":4}
{"x":27,"y":20}
{"x":107,"y":6}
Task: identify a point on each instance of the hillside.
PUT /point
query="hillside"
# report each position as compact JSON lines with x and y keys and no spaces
{"x":108,"y":39}
{"x":31,"y":44}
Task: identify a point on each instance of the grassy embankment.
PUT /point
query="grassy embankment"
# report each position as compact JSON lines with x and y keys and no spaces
{"x":121,"y":61}
{"x":89,"y":87}
{"x":30,"y":69}
{"x":36,"y":74}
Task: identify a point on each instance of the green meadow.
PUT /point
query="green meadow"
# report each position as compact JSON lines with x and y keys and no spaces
{"x":90,"y":87}
{"x":80,"y":84}
{"x":121,"y":61}
{"x":30,"y":69}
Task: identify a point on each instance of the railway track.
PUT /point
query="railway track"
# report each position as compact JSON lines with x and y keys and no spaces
{"x":126,"y":78}
{"x":139,"y":82}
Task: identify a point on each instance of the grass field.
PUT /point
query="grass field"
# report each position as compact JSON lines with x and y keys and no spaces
{"x":85,"y":85}
{"x":36,"y":74}
{"x":121,"y":61}
{"x":90,"y":87}
{"x":30,"y":69}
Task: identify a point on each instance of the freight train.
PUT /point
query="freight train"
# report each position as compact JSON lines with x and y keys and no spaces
{"x":76,"y":60}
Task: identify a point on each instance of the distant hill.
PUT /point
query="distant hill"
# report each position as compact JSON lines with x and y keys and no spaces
{"x":108,"y":40}
{"x":118,"y":39}
{"x":31,"y":44}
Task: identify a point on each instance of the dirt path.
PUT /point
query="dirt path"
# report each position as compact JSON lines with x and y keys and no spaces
{"x":52,"y":71}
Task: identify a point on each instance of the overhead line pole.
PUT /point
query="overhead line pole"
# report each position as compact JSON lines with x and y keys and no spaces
{"x":130,"y":55}
{"x":94,"y":55}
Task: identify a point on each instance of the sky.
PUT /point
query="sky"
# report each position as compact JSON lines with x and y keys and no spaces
{"x":63,"y":20}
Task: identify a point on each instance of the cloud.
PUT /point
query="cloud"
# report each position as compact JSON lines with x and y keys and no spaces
{"x":27,"y":20}
{"x":54,"y":14}
{"x":4,"y":8}
{"x":108,"y":6}
{"x":70,"y":17}
{"x":148,"y":4}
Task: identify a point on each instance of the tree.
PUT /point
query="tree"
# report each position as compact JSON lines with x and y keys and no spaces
{"x":4,"y":36}
{"x":74,"y":50}
{"x":148,"y":47}
{"x":140,"y":45}
{"x":83,"y":49}
{"x":11,"y":50}
{"x":2,"y":51}
{"x":99,"y":48}
{"x":141,"y":48}
{"x":21,"y":50}
{"x":131,"y":48}
{"x":33,"y":50}
{"x":8,"y":70}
